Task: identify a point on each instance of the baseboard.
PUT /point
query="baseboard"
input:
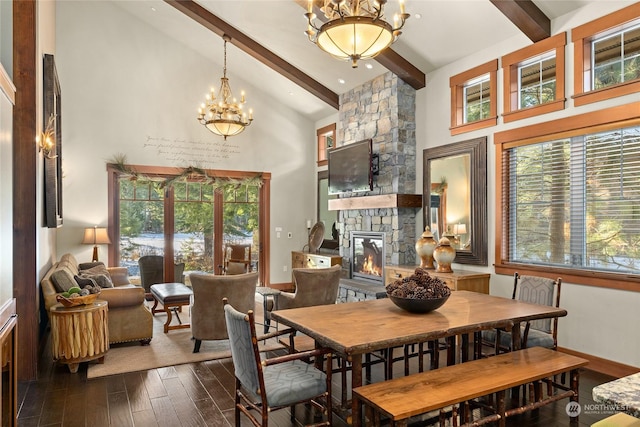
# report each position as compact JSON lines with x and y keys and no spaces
{"x":603,"y":366}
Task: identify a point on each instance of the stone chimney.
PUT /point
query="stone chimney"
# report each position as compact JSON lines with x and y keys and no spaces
{"x":383,"y":110}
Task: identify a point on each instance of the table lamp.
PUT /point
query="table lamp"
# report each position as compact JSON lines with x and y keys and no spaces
{"x":95,"y":236}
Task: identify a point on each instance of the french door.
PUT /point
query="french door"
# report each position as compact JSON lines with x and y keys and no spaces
{"x":186,"y":219}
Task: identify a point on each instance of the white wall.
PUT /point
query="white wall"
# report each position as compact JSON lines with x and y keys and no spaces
{"x":126,"y":88}
{"x":599,"y":321}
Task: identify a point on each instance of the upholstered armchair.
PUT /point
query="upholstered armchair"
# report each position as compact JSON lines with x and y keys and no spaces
{"x":152,"y":272}
{"x":207,"y":315}
{"x":313,"y":286}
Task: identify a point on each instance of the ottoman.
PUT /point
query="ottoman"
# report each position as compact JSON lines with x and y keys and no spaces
{"x":171,"y":296}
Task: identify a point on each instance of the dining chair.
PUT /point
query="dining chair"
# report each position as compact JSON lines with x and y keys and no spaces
{"x":207,"y":315}
{"x":535,"y":333}
{"x":313,"y":286}
{"x":264,"y":385}
{"x":237,"y":254}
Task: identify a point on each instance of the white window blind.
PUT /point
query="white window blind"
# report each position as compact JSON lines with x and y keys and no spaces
{"x":575,"y":202}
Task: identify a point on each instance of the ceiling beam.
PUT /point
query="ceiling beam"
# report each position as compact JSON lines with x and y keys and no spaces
{"x":388,"y":58}
{"x":254,"y":49}
{"x":527,"y":17}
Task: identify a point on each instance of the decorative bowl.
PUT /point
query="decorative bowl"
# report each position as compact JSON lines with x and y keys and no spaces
{"x":73,"y":302}
{"x":414,"y":305}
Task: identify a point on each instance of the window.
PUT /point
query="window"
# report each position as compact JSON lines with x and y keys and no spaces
{"x":616,"y":59}
{"x":534,"y":79}
{"x":570,"y":192}
{"x":326,"y":141}
{"x":476,"y":99}
{"x":473,"y":98}
{"x":607,"y":56}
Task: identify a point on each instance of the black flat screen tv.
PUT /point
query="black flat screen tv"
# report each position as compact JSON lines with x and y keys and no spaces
{"x":350,"y":168}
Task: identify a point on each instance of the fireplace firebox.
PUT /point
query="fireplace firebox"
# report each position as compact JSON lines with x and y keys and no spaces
{"x":367,"y":256}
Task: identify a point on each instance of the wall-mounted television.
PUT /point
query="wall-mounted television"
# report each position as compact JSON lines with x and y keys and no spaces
{"x":350,"y":168}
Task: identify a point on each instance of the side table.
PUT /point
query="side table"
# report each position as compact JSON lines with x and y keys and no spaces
{"x":79,"y":334}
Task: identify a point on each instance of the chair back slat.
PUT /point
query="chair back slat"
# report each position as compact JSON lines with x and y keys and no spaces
{"x":242,"y":351}
{"x":537,"y":290}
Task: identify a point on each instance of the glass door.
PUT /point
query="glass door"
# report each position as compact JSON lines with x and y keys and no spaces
{"x":193,"y":226}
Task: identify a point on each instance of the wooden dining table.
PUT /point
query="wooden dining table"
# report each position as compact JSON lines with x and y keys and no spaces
{"x":357,"y":328}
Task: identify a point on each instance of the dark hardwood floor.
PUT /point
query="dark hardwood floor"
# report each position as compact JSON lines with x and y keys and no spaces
{"x":197,"y":394}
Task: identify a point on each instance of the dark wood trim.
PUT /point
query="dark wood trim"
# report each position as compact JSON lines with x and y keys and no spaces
{"x":25,"y":154}
{"x":409,"y":73}
{"x":264,"y":258}
{"x":255,"y":50}
{"x":581,"y":36}
{"x":527,"y":17}
{"x":323,"y":152}
{"x":511,"y":88}
{"x":457,"y":83}
{"x":603,"y":366}
{"x":377,"y":202}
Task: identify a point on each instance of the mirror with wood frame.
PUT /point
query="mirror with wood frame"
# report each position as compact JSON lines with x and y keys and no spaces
{"x":455,"y":197}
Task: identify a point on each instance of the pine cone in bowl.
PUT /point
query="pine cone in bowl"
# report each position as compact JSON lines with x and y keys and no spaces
{"x":418,"y":293}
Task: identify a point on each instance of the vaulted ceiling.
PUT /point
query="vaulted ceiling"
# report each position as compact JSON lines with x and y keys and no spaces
{"x":271,"y":51}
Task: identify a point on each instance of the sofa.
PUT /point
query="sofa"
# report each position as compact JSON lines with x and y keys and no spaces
{"x":129,"y":318}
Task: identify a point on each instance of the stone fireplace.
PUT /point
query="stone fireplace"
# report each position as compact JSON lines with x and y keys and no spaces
{"x":367,"y":256}
{"x":383,"y":110}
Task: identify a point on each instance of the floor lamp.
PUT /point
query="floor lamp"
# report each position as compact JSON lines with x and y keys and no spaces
{"x":95,"y":236}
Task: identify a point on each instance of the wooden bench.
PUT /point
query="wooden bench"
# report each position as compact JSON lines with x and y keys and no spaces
{"x":416,"y":394}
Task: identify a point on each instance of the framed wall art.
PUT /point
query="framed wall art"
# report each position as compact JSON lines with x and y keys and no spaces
{"x":51,"y":144}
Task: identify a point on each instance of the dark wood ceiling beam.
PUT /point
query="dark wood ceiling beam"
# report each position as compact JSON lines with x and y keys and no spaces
{"x":527,"y":17}
{"x":388,"y":58}
{"x":254,"y":49}
{"x":402,"y":68}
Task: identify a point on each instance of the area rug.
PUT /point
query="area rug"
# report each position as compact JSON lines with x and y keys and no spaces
{"x":173,"y":348}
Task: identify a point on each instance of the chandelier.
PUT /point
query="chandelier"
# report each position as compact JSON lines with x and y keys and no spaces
{"x":355,"y":29}
{"x":224,"y":116}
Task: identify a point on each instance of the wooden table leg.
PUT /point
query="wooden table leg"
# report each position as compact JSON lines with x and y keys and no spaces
{"x":356,"y":381}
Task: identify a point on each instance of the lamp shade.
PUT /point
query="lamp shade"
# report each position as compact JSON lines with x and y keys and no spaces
{"x":355,"y":37}
{"x":95,"y":236}
{"x":224,"y":127}
{"x":460,"y":229}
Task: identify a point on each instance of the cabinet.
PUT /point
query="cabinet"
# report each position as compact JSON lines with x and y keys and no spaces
{"x":307,"y":260}
{"x":459,"y":280}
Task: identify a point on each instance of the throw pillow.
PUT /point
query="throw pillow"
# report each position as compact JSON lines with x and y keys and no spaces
{"x":62,"y":280}
{"x":103,"y":280}
{"x":84,"y":281}
{"x":88,"y":265}
{"x":97,"y":269}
